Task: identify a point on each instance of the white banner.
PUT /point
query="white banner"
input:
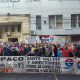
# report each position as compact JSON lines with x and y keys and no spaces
{"x":32,"y":39}
{"x":77,"y":66}
{"x":36,"y":64}
{"x":67,"y":65}
{"x":40,"y":65}
{"x":53,"y":39}
{"x":12,"y":64}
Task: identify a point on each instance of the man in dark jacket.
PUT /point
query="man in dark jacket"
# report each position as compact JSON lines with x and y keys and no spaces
{"x":7,"y":51}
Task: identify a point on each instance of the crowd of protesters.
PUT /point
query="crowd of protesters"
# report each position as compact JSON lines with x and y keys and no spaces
{"x":40,"y":49}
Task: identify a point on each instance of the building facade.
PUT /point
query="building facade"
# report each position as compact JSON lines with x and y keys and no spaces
{"x":48,"y":17}
{"x":14,"y":28}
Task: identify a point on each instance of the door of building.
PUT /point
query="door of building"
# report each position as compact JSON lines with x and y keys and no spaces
{"x":13,"y":39}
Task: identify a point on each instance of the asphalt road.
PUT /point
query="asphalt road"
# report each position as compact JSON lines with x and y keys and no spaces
{"x":38,"y":77}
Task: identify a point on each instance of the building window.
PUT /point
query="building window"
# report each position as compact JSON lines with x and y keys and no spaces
{"x":19,"y":28}
{"x":75,"y":20}
{"x":6,"y":28}
{"x":79,"y":20}
{"x":59,"y":19}
{"x":38,"y":22}
{"x":12,"y":28}
{"x":55,"y":21}
{"x":51,"y":21}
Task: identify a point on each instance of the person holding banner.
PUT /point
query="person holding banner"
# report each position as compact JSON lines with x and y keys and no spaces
{"x":59,"y":52}
{"x":32,"y":52}
{"x":65,"y":52}
{"x":54,"y":51}
{"x":27,"y":50}
{"x":40,"y":51}
{"x":1,"y":50}
{"x":21,"y":50}
{"x":7,"y":50}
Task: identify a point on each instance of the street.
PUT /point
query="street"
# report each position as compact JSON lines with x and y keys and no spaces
{"x":38,"y":77}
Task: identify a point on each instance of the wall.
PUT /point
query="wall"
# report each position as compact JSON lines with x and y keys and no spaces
{"x":44,"y":8}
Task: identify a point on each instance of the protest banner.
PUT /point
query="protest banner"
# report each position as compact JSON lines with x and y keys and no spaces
{"x":53,"y":39}
{"x":49,"y":39}
{"x":67,"y":65}
{"x":41,"y":65}
{"x":32,"y":39}
{"x":12,"y":64}
{"x":77,"y":66}
{"x":60,"y":39}
{"x":37,"y":64}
